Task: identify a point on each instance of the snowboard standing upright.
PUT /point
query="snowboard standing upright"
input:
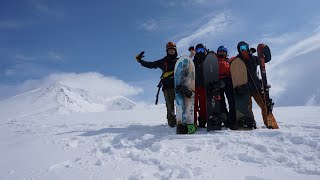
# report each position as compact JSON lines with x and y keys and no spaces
{"x":271,"y":121}
{"x":212,"y":89}
{"x":184,"y":84}
{"x":241,"y":91}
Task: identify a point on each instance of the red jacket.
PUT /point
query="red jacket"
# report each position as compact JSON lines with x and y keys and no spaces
{"x":224,"y":68}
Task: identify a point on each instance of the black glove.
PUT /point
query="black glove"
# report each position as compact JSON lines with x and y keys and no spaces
{"x":191,"y":48}
{"x":253,"y":50}
{"x":267,"y":53}
{"x":140,"y":56}
{"x":184,"y":90}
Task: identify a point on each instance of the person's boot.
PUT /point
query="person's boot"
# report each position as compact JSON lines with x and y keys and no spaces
{"x":186,"y":128}
{"x":247,"y":123}
{"x":172,"y":123}
{"x":202,"y":122}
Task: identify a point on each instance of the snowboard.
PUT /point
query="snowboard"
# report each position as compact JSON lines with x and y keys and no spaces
{"x":263,"y":58}
{"x":241,"y":92}
{"x":212,"y":91}
{"x":184,"y":84}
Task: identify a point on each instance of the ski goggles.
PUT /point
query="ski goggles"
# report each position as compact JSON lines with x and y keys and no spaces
{"x":222,"y":48}
{"x":200,"y":50}
{"x":244,"y":48}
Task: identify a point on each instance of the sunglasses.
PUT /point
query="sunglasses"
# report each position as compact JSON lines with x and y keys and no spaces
{"x":200,"y":50}
{"x":244,"y":48}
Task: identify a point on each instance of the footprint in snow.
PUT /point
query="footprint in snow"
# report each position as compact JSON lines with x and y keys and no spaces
{"x":65,"y":164}
{"x":254,"y":178}
{"x":192,"y":149}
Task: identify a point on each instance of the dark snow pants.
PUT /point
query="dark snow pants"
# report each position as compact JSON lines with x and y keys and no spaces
{"x":169,"y":96}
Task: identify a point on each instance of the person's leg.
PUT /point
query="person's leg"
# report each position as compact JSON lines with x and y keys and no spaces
{"x":231,"y":103}
{"x":203,"y":107}
{"x":223,"y":105}
{"x":169,"y":96}
{"x":196,"y":105}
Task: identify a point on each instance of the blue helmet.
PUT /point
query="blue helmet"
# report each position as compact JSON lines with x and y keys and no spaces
{"x":223,"y":48}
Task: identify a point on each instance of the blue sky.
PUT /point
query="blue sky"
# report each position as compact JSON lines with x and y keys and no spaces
{"x":42,"y":37}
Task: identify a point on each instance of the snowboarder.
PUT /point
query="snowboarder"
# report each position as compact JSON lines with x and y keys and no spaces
{"x":226,"y":88}
{"x":200,"y":97}
{"x":166,"y":64}
{"x":254,"y":83}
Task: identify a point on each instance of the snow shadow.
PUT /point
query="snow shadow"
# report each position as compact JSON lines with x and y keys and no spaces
{"x":138,"y":136}
{"x":136,"y":130}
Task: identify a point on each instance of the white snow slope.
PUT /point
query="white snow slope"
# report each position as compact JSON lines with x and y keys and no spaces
{"x":136,"y":143}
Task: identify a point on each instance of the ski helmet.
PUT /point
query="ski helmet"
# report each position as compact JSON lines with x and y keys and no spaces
{"x":222,"y":48}
{"x":201,"y":48}
{"x":242,"y":46}
{"x":171,"y":45}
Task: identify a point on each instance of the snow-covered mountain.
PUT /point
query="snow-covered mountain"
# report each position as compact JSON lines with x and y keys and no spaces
{"x":60,"y":98}
{"x":120,"y":103}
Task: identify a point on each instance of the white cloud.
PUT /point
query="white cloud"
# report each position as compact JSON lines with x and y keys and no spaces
{"x":161,"y":23}
{"x":291,"y":65}
{"x":214,"y":25}
{"x":187,"y":3}
{"x":9,"y":72}
{"x":150,"y":25}
{"x":96,"y":83}
{"x":92,"y":82}
{"x":44,"y":8}
{"x":24,"y":57}
{"x":12,"y":24}
{"x":22,"y":69}
{"x":282,"y":39}
{"x":297,"y":49}
{"x":314,"y":100}
{"x":49,"y":56}
{"x":57,"y":57}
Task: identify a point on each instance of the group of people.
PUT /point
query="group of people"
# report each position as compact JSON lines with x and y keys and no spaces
{"x":167,"y":64}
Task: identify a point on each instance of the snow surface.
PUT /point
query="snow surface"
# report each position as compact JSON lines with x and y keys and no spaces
{"x":63,"y":133}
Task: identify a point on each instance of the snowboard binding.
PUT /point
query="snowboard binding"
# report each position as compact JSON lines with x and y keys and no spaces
{"x":186,"y":128}
{"x":214,"y":87}
{"x":182,"y":89}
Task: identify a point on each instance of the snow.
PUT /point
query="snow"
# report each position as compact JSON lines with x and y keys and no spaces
{"x":60,"y":132}
{"x":62,"y":99}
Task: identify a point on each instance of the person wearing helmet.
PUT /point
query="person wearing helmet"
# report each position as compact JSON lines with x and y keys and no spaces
{"x":254,"y":83}
{"x":200,"y":97}
{"x":166,"y":64}
{"x":227,"y":89}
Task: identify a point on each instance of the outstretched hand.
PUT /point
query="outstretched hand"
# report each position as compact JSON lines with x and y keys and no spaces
{"x":192,"y":51}
{"x":140,"y":56}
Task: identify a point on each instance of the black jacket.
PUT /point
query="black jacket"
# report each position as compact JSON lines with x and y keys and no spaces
{"x":166,"y":64}
{"x":253,"y":79}
{"x":198,"y":64}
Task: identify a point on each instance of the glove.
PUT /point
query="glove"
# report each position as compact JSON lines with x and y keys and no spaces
{"x":267,"y":53}
{"x":253,"y":50}
{"x":192,"y":51}
{"x":191,"y":48}
{"x":140,"y":56}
